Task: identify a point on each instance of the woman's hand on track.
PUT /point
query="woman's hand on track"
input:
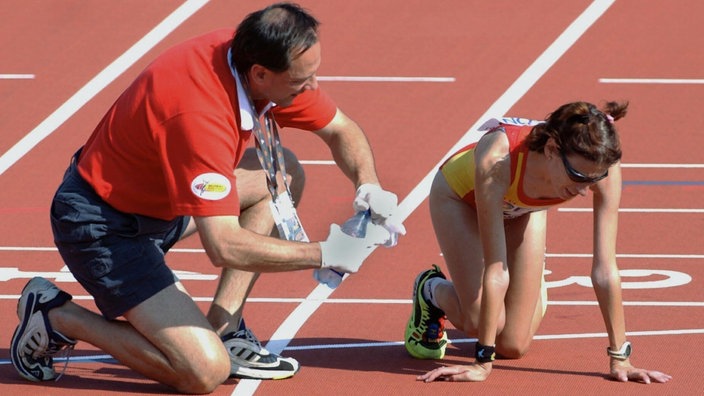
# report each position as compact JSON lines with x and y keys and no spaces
{"x":474,"y":373}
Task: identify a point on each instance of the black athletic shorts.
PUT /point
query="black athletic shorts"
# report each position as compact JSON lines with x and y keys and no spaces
{"x":117,"y":257}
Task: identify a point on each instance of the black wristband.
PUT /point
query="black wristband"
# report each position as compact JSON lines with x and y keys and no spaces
{"x":484,"y":353}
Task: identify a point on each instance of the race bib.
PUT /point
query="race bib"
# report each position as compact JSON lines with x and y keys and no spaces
{"x":493,"y":122}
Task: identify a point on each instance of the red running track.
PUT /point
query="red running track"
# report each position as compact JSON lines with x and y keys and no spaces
{"x":352,"y":343}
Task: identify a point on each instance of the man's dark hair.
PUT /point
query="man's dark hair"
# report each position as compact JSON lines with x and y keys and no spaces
{"x":273,"y":37}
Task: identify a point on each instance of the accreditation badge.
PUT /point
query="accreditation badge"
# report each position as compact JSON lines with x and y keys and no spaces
{"x":286,"y":219}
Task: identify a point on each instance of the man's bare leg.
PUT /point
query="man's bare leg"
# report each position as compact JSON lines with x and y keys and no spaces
{"x":166,"y":338}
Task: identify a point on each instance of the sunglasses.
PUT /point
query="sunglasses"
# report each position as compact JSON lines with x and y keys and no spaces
{"x":577,"y":176}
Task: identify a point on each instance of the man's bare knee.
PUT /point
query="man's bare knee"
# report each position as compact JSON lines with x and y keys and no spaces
{"x":204,"y":378}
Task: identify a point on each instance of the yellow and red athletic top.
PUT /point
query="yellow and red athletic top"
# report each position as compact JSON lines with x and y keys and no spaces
{"x":169,"y":145}
{"x":459,"y":173}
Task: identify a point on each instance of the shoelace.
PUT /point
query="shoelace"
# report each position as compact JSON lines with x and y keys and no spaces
{"x":248,"y":335}
{"x":56,"y":346}
{"x":67,"y":355}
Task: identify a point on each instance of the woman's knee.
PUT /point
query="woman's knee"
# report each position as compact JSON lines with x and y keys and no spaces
{"x":512,"y":348}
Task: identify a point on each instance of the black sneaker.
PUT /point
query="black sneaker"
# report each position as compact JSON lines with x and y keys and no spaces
{"x":252,"y":361}
{"x":34,"y":342}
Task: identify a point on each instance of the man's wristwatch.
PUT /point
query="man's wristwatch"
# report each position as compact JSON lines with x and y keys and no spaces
{"x":621,"y":354}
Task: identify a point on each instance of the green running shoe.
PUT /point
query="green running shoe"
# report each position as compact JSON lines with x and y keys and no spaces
{"x":425,"y":336}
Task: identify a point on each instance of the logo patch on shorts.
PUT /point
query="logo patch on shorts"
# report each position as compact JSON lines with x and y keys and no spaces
{"x":211,"y":186}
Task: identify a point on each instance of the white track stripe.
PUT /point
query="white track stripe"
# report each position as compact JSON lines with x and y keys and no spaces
{"x":98,"y":83}
{"x":530,"y":76}
{"x":651,"y":80}
{"x":383,"y":344}
{"x":317,"y":162}
{"x":636,"y":210}
{"x":361,"y":301}
{"x":386,"y":79}
{"x":16,"y":76}
{"x":662,"y":166}
{"x":564,"y":255}
{"x":654,"y":166}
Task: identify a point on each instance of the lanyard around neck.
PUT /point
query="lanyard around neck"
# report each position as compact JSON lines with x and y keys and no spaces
{"x":266,"y":138}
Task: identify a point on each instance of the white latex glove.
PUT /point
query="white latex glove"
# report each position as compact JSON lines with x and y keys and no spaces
{"x":345,"y":253}
{"x":383,"y":205}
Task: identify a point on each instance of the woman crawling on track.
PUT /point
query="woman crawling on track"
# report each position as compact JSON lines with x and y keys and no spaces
{"x":488,"y":205}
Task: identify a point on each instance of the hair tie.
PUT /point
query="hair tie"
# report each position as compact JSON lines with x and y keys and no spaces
{"x":608,"y":117}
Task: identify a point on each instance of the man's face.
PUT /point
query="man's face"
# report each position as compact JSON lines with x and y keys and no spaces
{"x":282,"y":88}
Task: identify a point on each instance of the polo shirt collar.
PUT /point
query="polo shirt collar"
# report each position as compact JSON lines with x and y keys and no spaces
{"x":246,"y":110}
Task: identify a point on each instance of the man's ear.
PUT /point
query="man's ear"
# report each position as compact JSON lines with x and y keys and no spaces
{"x":257,"y":74}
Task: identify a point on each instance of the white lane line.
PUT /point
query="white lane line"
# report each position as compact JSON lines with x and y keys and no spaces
{"x":675,"y":166}
{"x":201,"y":251}
{"x":651,"y":80}
{"x":470,"y":340}
{"x":362,"y":301}
{"x":530,"y":76}
{"x":386,"y":79}
{"x":317,"y":162}
{"x":98,"y":83}
{"x":636,"y":210}
{"x":385,"y":344}
{"x":654,"y":166}
{"x":7,"y":76}
{"x":631,"y":256}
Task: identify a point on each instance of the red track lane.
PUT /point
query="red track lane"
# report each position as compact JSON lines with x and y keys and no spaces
{"x":485,"y":46}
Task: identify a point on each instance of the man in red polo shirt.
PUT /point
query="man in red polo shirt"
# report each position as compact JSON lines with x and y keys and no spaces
{"x":168,"y":159}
